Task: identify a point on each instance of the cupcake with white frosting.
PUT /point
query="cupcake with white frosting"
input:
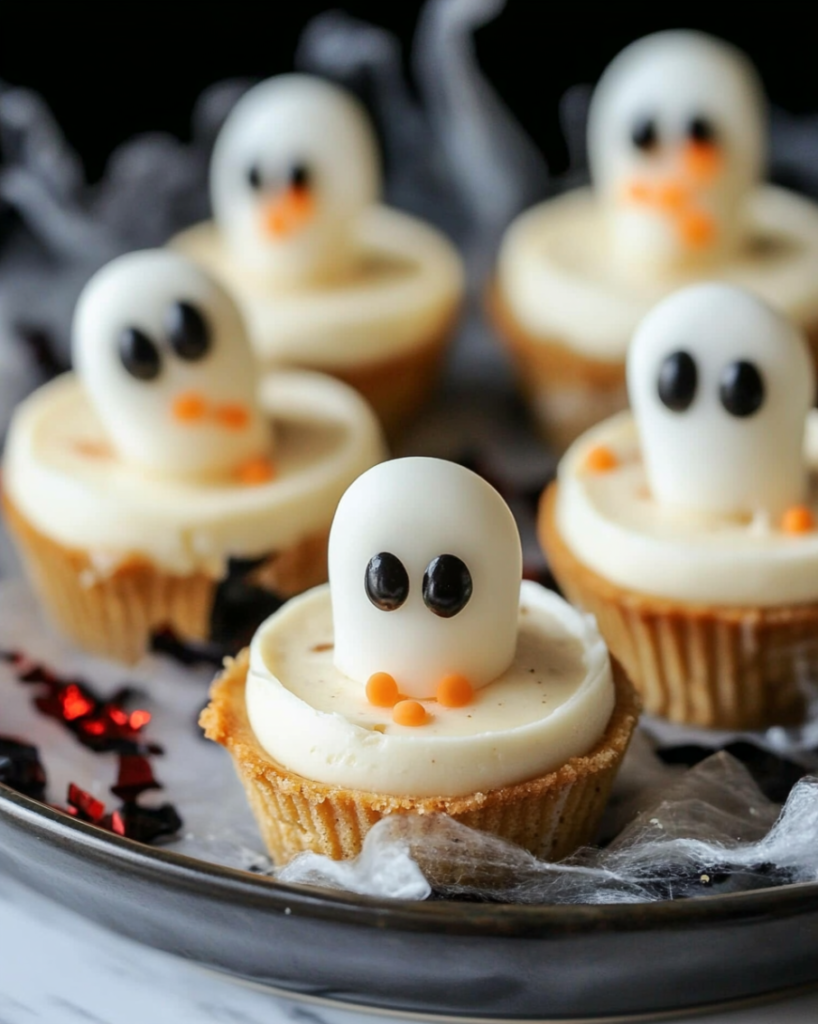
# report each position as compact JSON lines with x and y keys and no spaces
{"x":676,"y":140}
{"x":327,"y":278}
{"x":689,"y":528}
{"x":424,"y":678}
{"x":135,"y":485}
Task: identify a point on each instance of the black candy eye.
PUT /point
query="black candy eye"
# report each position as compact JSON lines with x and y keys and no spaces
{"x":386,"y":582}
{"x":254,"y":178}
{"x":645,"y":135}
{"x":678,"y":378}
{"x":138,"y":354}
{"x":300,"y":176}
{"x":742,"y":389}
{"x":188,"y":331}
{"x":701,"y":129}
{"x":447,"y":586}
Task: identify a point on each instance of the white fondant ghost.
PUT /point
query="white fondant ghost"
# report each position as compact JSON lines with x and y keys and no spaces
{"x":720,"y":385}
{"x":293,"y":167}
{"x":676,"y":142}
{"x":402,"y":535}
{"x":163,"y":353}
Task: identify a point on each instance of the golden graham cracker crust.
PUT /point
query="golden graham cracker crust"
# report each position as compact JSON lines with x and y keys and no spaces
{"x":116,"y":614}
{"x":398,"y":387}
{"x":699,"y":664}
{"x":550,"y":816}
{"x":567,"y":391}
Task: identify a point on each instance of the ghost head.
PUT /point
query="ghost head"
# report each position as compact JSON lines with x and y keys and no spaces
{"x":164,"y":356}
{"x":425,"y":568}
{"x":676,"y":140}
{"x":294,"y":165}
{"x":720,"y":385}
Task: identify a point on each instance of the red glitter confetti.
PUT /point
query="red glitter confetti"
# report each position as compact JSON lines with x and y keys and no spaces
{"x":104,"y":726}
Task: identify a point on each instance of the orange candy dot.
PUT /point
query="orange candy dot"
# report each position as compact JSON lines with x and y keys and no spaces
{"x":601,"y":460}
{"x":798,"y":519}
{"x":234,"y":417}
{"x":454,"y":691}
{"x":188,"y":407}
{"x":638,"y":192}
{"x":409,"y":712}
{"x":382,"y":690}
{"x":672,"y":196}
{"x":698,"y":230}
{"x":255,"y":472}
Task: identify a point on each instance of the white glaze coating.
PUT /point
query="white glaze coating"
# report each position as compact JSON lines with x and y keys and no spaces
{"x":294,"y":234}
{"x":560,"y":283}
{"x":680,"y":200}
{"x":404,"y":294}
{"x":316,"y":722}
{"x":610,"y":523}
{"x":703,"y":457}
{"x":141,"y":291}
{"x":60,"y":472}
{"x":418,"y":509}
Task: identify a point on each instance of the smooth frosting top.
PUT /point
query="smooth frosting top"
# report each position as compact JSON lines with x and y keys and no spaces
{"x":562,"y":283}
{"x":425,"y":566}
{"x":402,"y":291}
{"x":294,"y":165}
{"x":612,"y":524}
{"x":62,"y":472}
{"x":676,"y":142}
{"x":552,"y":703}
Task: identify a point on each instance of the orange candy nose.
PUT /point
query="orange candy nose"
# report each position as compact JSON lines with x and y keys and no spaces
{"x":409,"y":712}
{"x":798,"y":519}
{"x":600,"y":460}
{"x":286,"y":213}
{"x":382,"y":690}
{"x":702,"y":161}
{"x":188,"y":407}
{"x":454,"y":691}
{"x":255,"y":472}
{"x":233,"y":416}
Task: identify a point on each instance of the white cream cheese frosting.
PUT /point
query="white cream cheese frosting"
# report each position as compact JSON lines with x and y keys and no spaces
{"x":62,"y":473}
{"x":403,"y":292}
{"x":552,"y":703}
{"x":612,"y":525}
{"x":560,"y":282}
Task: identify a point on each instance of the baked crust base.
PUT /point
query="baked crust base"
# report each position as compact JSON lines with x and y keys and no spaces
{"x":567,"y":391}
{"x":116,"y":614}
{"x":699,"y":664}
{"x":550,"y":816}
{"x":398,"y":387}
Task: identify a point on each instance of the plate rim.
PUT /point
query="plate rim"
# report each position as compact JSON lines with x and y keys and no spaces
{"x":509,"y":920}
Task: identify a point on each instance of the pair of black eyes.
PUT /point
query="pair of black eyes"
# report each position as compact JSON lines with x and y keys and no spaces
{"x":298,"y":177}
{"x":741,"y":387}
{"x":187,"y":332}
{"x":645,"y":134}
{"x":447,"y":584}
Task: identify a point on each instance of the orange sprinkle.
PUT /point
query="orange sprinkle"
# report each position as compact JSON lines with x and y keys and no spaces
{"x":798,"y":519}
{"x":232,"y":416}
{"x":698,"y":229}
{"x":256,"y":471}
{"x":639,"y":192}
{"x":382,"y":690}
{"x":601,"y":460}
{"x":454,"y":691}
{"x":288,"y":212}
{"x":409,"y":712}
{"x":672,"y":196}
{"x":189,"y":407}
{"x":702,"y":160}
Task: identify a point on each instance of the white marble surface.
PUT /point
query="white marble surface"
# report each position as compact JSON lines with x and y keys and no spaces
{"x":57,"y":968}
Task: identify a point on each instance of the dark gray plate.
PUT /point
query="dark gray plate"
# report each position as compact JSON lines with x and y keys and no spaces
{"x":441,"y":958}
